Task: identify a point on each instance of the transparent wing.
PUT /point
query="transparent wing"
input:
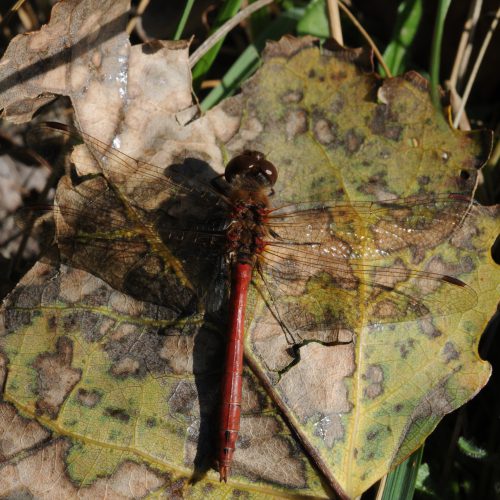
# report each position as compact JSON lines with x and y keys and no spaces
{"x":317,"y":296}
{"x":136,"y":225}
{"x":142,"y":254}
{"x":369,"y":230}
{"x":139,"y":182}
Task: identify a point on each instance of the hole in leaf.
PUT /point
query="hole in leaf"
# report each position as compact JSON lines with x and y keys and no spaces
{"x":464,"y":174}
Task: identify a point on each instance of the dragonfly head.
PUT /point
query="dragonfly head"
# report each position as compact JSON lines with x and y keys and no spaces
{"x":252,"y":166}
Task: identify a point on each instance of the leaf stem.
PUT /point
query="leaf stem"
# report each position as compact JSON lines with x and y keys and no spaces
{"x":140,"y":11}
{"x":368,"y":38}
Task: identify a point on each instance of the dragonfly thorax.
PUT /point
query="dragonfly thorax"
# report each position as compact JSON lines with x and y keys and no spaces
{"x":246,"y":232}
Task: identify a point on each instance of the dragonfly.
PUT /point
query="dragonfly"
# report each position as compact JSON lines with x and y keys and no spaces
{"x":163,"y":237}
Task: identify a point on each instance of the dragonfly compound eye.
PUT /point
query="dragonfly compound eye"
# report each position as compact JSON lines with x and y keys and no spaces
{"x":251,"y":164}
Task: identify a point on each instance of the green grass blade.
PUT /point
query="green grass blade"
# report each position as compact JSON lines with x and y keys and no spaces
{"x":184,"y":18}
{"x":315,"y":20}
{"x":437,"y":39}
{"x":249,"y":60}
{"x":397,"y":52}
{"x":400,"y":483}
{"x":228,"y":10}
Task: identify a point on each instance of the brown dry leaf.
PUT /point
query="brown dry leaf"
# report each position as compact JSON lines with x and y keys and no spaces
{"x":127,"y":389}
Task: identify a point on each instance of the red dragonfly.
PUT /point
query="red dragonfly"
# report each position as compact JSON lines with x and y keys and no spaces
{"x":154,"y":234}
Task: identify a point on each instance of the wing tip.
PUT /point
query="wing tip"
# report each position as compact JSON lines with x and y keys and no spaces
{"x":453,"y":281}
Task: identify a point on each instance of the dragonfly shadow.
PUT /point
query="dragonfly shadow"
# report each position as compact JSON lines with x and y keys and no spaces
{"x":156,"y":237}
{"x":208,"y":362}
{"x":191,"y":224}
{"x":192,"y":227}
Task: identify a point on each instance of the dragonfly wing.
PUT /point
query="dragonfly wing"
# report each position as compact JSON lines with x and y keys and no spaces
{"x":135,"y":224}
{"x":137,"y":252}
{"x":319,"y":296}
{"x":140,"y":183}
{"x":370,"y":230}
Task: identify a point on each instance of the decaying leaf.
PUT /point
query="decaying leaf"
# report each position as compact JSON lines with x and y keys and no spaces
{"x":111,"y":370}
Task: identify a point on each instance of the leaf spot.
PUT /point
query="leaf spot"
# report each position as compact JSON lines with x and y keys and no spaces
{"x":88,"y":398}
{"x":117,"y":413}
{"x":324,"y":131}
{"x":296,"y":123}
{"x":450,"y":352}
{"x":56,"y":378}
{"x":353,"y":141}
{"x":293,"y":96}
{"x":375,"y":376}
{"x":126,"y":366}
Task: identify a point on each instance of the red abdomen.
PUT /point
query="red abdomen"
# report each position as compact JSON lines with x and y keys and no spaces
{"x":229,"y":424}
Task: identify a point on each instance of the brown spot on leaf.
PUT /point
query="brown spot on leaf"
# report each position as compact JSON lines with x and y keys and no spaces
{"x":70,"y":322}
{"x":292,"y":96}
{"x":151,"y":422}
{"x":135,"y":351}
{"x":89,"y":324}
{"x":374,"y":375}
{"x":267,"y":430}
{"x":434,"y":403}
{"x":17,"y":433}
{"x":88,"y":398}
{"x":385,"y":309}
{"x":383,"y":123}
{"x":417,"y":80}
{"x":56,"y":378}
{"x":52,"y":323}
{"x":361,"y":57}
{"x":337,"y":105}
{"x":184,"y":398}
{"x":429,"y":329}
{"x":405,"y":346}
{"x":450,"y":352}
{"x":353,"y":141}
{"x":325,"y":132}
{"x":175,"y":490}
{"x":296,"y":123}
{"x":329,"y":428}
{"x":151,"y":47}
{"x":125,"y":367}
{"x":177,"y":351}
{"x":117,"y":413}
{"x":287,"y":46}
